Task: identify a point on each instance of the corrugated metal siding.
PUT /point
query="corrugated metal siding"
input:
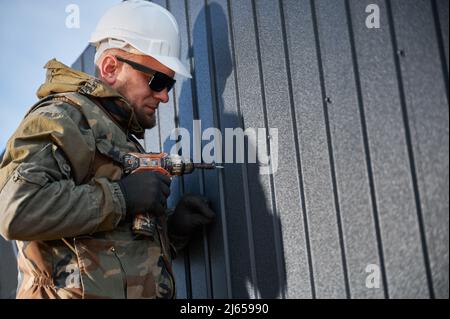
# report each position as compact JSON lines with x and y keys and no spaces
{"x":362,"y":118}
{"x":363,"y":127}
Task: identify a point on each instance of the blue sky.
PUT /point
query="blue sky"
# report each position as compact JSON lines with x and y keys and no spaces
{"x":31,"y":33}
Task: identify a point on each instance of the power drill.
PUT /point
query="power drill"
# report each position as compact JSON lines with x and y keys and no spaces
{"x":171,"y":165}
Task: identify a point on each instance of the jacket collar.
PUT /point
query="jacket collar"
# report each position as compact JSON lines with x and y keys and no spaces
{"x":62,"y":79}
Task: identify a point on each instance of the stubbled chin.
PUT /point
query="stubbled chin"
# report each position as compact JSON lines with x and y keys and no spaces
{"x":147,"y":122}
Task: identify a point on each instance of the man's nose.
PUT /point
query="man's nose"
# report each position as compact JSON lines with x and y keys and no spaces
{"x":163,"y":95}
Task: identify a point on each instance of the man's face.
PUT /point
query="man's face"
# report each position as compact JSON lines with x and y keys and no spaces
{"x":133,"y":85}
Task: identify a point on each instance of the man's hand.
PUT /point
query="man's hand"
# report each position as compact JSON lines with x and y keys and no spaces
{"x":145,"y":192}
{"x":192,"y":211}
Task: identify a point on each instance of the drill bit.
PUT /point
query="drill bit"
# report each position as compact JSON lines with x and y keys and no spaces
{"x":207,"y":166}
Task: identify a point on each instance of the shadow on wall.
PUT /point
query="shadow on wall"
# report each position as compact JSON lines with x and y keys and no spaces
{"x":248,"y":215}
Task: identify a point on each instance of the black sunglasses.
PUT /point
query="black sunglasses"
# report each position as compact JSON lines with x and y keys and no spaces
{"x":158,"y":82}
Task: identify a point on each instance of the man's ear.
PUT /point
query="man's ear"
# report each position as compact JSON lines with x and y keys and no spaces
{"x":109,"y":69}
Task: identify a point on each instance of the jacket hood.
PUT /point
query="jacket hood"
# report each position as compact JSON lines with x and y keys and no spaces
{"x":62,"y":79}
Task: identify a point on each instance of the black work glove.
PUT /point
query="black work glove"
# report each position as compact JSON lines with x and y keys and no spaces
{"x":145,"y":192}
{"x":191,"y":212}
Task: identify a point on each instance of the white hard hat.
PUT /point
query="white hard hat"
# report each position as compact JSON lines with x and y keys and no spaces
{"x":147,"y":27}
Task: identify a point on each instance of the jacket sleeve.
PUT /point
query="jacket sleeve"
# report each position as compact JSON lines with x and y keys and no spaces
{"x":39,"y":196}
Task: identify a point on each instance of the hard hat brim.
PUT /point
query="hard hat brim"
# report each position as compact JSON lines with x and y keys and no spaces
{"x":174,"y":64}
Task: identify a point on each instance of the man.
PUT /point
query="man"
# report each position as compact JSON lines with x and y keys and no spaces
{"x":63,"y":194}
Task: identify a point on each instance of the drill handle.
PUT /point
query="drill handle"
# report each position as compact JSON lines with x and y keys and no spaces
{"x":137,"y":162}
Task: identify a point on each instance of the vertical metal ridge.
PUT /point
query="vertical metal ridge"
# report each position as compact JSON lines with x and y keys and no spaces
{"x":187,"y":273}
{"x":194,"y":103}
{"x":205,"y":243}
{"x":330,"y":146}
{"x":206,"y":251}
{"x":175,"y":104}
{"x":187,"y":263}
{"x":322,"y":90}
{"x":175,"y":108}
{"x":247,"y":204}
{"x":440,"y":41}
{"x":266,"y":124}
{"x":211,"y":68}
{"x":366,"y":146}
{"x":296,"y":141}
{"x":225,"y":235}
{"x":409,"y":146}
{"x":201,"y":179}
{"x":250,"y":234}
{"x":278,"y":237}
{"x":216,"y":119}
{"x":159,"y":130}
{"x":191,"y":63}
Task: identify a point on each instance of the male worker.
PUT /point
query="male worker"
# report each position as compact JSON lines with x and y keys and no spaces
{"x":63,"y":194}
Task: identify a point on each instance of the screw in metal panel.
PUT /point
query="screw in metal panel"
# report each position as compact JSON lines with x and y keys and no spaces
{"x":401,"y":52}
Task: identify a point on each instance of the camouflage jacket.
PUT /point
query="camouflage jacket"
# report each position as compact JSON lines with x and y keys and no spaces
{"x":59,"y":201}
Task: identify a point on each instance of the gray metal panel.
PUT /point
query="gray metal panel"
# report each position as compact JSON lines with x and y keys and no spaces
{"x":394,"y":201}
{"x":442,"y":16}
{"x":354,"y":221}
{"x":233,"y":212}
{"x":243,"y":280}
{"x":220,"y":47}
{"x":181,"y":263}
{"x":88,"y":60}
{"x":427,"y":108}
{"x":289,"y":245}
{"x":199,"y":265}
{"x":345,"y":177}
{"x":77,"y":65}
{"x":265,"y":281}
{"x":313,"y":149}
